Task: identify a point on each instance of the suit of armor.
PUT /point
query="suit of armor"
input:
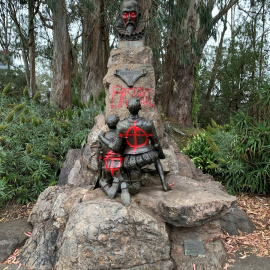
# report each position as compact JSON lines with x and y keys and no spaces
{"x":141,"y":142}
{"x":111,"y":174}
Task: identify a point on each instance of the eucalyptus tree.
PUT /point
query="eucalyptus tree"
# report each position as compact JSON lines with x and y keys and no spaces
{"x":7,"y":37}
{"x":187,"y":27}
{"x":17,"y":11}
{"x":61,"y":81}
{"x":243,"y":67}
{"x":95,"y":47}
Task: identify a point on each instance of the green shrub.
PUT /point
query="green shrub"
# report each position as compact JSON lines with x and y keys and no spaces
{"x":236,"y":154}
{"x":25,"y":91}
{"x":34,"y":141}
{"x":7,"y":88}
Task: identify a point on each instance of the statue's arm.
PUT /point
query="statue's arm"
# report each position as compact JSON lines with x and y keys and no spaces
{"x":156,"y":143}
{"x":115,"y":145}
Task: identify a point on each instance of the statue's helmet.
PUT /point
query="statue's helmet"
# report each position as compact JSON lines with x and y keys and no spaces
{"x":130,"y":14}
{"x":134,"y":105}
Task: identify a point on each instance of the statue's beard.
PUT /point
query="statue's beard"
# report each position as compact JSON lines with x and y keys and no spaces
{"x":130,"y":28}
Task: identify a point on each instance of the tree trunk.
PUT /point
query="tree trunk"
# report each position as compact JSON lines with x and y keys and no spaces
{"x":178,"y":81}
{"x":216,"y":64}
{"x":95,"y":50}
{"x":185,"y":43}
{"x":148,"y":9}
{"x":61,"y":83}
{"x":23,"y":39}
{"x":32,"y":48}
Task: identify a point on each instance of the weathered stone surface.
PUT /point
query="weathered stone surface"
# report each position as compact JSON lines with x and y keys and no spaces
{"x":12,"y":236}
{"x":75,"y":228}
{"x":90,"y":159}
{"x":236,"y":219}
{"x":118,"y":92}
{"x":74,"y":171}
{"x":215,"y":255}
{"x":189,"y":204}
{"x":106,"y":235}
{"x":72,"y":156}
{"x":79,"y":228}
{"x":11,"y":267}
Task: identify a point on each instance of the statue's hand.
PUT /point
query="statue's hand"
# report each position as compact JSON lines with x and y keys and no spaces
{"x":161,"y":155}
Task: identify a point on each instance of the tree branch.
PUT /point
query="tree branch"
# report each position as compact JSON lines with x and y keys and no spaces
{"x":224,"y":11}
{"x":44,"y":21}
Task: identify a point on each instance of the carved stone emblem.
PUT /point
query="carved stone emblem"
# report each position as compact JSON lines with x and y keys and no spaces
{"x":130,"y":76}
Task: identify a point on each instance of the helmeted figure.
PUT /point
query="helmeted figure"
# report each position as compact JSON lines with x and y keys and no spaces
{"x":141,"y":142}
{"x":130,"y":26}
{"x":111,"y":172}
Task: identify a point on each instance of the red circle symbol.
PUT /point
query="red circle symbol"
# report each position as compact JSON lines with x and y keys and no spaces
{"x":113,"y":162}
{"x":132,"y":135}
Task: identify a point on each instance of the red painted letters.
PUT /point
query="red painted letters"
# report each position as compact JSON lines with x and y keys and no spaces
{"x":120,"y":96}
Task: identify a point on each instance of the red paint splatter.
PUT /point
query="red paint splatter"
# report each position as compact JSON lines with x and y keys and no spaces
{"x":132,"y":134}
{"x":172,"y":185}
{"x":121,"y":93}
{"x":132,"y":15}
{"x":115,"y":161}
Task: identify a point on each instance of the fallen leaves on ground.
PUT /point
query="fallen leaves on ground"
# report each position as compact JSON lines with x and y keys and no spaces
{"x":258,"y":242}
{"x":13,"y":211}
{"x":13,"y":259}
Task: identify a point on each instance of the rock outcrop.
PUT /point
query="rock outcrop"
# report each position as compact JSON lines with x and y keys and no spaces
{"x":12,"y":235}
{"x":76,"y":227}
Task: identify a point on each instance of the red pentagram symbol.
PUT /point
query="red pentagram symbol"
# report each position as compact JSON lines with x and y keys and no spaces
{"x":113,"y":162}
{"x":133,"y":133}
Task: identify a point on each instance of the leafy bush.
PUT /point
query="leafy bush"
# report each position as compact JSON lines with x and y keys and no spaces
{"x":237,"y":154}
{"x":34,"y":139}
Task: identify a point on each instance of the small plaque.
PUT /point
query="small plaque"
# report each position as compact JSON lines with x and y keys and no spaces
{"x":194,"y":248}
{"x":130,"y":76}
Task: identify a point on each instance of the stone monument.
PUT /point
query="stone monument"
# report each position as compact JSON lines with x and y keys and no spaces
{"x":76,"y":226}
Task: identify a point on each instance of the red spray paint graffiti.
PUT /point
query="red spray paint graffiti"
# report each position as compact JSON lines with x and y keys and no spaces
{"x":132,"y":135}
{"x":120,"y":94}
{"x":113,"y":162}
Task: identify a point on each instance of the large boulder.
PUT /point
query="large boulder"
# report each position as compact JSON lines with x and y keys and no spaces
{"x":236,"y":220}
{"x":81,"y":228}
{"x":12,"y":235}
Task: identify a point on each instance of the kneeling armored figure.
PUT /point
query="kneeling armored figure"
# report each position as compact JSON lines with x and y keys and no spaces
{"x":138,"y":137}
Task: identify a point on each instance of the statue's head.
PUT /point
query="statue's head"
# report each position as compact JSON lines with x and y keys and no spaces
{"x":130,"y":14}
{"x":134,"y":105}
{"x":112,"y":121}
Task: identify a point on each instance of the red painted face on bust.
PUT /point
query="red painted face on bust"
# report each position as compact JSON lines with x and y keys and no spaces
{"x":130,"y":16}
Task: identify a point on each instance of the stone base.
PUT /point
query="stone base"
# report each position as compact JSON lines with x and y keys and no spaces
{"x":81,"y":228}
{"x":76,"y":227}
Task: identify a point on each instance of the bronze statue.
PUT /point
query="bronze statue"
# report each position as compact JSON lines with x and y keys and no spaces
{"x":111,"y":173}
{"x":138,"y":136}
{"x":130,"y":26}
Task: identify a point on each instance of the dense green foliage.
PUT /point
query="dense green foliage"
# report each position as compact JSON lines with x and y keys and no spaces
{"x":34,"y":139}
{"x":237,"y":154}
{"x":243,"y":66}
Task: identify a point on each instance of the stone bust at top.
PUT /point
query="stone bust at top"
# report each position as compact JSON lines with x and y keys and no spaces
{"x":130,"y":26}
